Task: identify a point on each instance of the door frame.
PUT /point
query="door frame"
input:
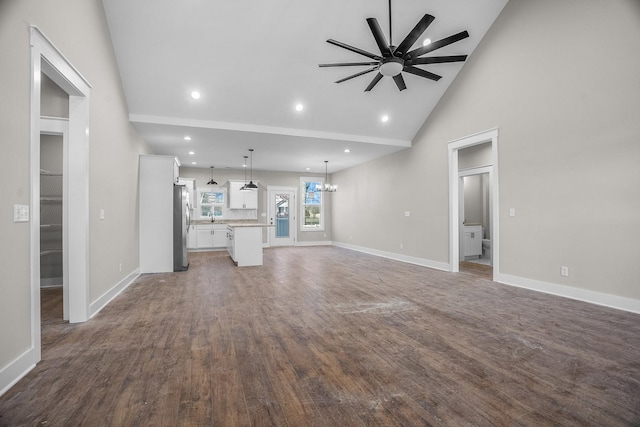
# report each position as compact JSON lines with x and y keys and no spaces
{"x":293,"y":228}
{"x":47,"y":59}
{"x":453,"y":147}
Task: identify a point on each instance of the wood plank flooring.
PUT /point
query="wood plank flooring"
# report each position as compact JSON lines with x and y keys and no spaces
{"x":324,"y":336}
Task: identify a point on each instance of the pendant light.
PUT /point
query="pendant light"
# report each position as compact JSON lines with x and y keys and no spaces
{"x":244,"y":165}
{"x":212,"y":182}
{"x":328,"y":187}
{"x":251,"y":185}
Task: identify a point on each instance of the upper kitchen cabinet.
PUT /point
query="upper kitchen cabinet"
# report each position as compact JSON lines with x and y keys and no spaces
{"x":242,"y":199}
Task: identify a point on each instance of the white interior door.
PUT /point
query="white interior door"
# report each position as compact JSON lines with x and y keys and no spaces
{"x":282,"y":216}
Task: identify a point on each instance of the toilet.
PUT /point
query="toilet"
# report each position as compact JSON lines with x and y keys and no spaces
{"x":486,"y":248}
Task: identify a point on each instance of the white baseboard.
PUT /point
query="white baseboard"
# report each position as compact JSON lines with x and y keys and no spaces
{"x":593,"y":297}
{"x":17,"y":369}
{"x":105,"y":299}
{"x":398,"y":257}
{"x":317,"y":243}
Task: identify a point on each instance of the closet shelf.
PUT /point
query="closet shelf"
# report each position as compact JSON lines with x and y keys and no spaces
{"x":50,"y":252}
{"x":51,"y":226}
{"x":45,"y":172}
{"x":51,"y":199}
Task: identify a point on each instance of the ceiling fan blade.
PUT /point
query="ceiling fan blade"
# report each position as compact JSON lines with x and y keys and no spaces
{"x":347,"y":64}
{"x":411,"y":38}
{"x":439,"y":59}
{"x":379,"y":36}
{"x":420,"y":72}
{"x":437,"y":45}
{"x":374,"y":82}
{"x":354,"y":49}
{"x":399,"y":82}
{"x":357,"y":75}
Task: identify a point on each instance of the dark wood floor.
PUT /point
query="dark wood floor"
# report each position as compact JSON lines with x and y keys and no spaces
{"x":325,"y":336}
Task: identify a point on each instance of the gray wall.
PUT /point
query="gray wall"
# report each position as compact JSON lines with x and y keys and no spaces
{"x":568,"y":151}
{"x":113,"y":163}
{"x":264,"y":179}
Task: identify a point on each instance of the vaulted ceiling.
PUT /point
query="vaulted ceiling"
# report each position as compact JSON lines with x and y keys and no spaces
{"x":253,"y":61}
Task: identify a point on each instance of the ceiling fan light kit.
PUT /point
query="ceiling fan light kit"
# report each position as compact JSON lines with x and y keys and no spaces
{"x":395,"y":59}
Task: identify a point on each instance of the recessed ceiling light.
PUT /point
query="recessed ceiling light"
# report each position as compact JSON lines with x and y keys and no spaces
{"x":384,"y":118}
{"x":299,"y":107}
{"x":192,"y":153}
{"x":187,"y":138}
{"x":195,"y":94}
{"x":426,"y":42}
{"x":308,"y":169}
{"x":193,"y":163}
{"x":346,"y":150}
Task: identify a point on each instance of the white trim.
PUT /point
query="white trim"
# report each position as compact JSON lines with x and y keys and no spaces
{"x":45,"y":58}
{"x":17,"y":369}
{"x":397,"y":257}
{"x":453,"y":147}
{"x":108,"y":296}
{"x":315,"y":243}
{"x":585,"y":295}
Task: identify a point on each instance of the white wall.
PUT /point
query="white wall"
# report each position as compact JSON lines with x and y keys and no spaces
{"x":78,"y":29}
{"x":563,"y":89}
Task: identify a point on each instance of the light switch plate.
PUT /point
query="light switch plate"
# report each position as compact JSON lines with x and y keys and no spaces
{"x":512,"y":212}
{"x":20,"y":213}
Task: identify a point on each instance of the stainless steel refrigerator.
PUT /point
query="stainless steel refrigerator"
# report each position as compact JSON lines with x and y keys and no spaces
{"x":181,"y":224}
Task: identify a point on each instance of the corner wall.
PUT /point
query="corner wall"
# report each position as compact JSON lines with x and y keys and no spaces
{"x":565,"y":100}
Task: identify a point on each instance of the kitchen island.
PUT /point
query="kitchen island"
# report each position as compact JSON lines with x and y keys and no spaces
{"x":244,"y":242}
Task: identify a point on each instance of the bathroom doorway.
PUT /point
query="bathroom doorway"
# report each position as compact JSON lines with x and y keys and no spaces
{"x":475,"y":216}
{"x":474,"y":155}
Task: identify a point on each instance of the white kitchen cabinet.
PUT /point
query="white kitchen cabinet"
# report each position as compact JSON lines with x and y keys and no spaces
{"x":156,"y":179}
{"x":472,"y":241}
{"x":245,"y":245}
{"x":211,"y":236}
{"x":242,"y":199}
{"x":192,"y":238}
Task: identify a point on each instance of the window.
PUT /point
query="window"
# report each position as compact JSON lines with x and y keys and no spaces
{"x":210,"y":203}
{"x":312,"y":208}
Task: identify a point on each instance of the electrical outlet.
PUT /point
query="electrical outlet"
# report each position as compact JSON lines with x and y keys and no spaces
{"x":101,"y":213}
{"x":401,"y":246}
{"x":564,"y":271}
{"x":120,"y":267}
{"x":407,"y":213}
{"x":512,"y":211}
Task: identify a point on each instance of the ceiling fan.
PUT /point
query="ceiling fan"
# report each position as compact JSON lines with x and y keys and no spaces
{"x":395,"y":59}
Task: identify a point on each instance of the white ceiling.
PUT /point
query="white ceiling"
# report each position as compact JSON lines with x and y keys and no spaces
{"x":252,"y":61}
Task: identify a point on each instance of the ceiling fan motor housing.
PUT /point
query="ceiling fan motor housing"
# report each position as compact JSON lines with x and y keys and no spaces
{"x":391,"y":66}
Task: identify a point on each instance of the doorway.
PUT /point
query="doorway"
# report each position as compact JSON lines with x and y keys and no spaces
{"x":282,"y":216}
{"x":54,"y":261}
{"x":475,"y":216}
{"x":47,"y":60}
{"x":456,"y":192}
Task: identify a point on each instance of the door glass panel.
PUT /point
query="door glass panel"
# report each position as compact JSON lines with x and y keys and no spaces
{"x":282,"y":215}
